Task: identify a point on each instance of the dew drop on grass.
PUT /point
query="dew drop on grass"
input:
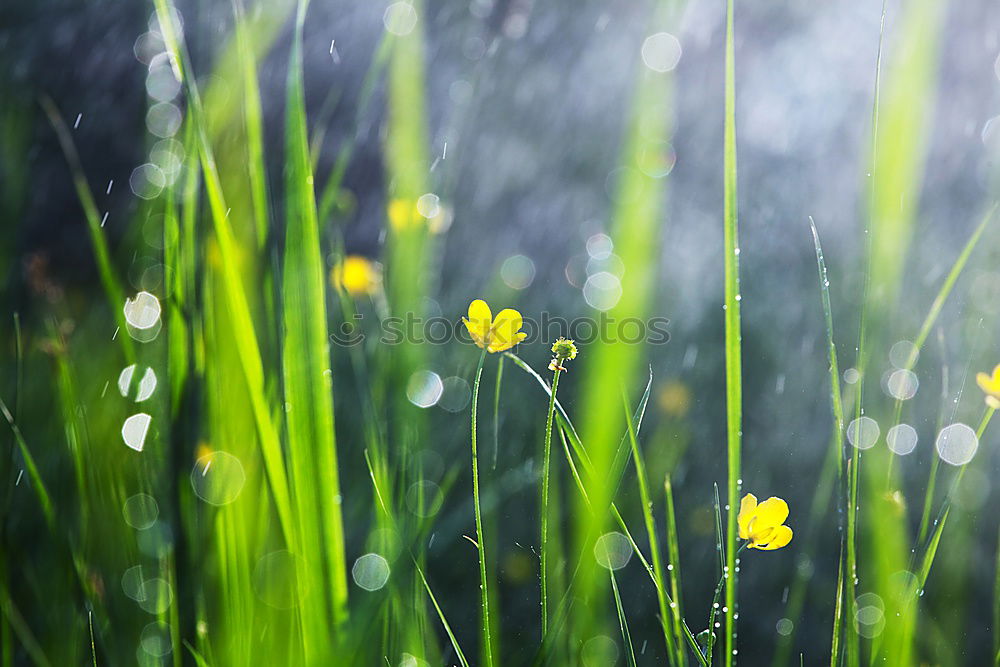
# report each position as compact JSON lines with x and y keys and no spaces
{"x":218,"y":478}
{"x":370,"y":572}
{"x":957,"y":444}
{"x":275,"y":579}
{"x":612,"y":550}
{"x":134,"y":430}
{"x":863,"y":432}
{"x":141,"y":511}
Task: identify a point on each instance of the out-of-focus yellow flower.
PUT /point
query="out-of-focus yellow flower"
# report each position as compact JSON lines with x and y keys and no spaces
{"x":763,"y":525}
{"x":356,"y":275}
{"x":990,"y":384}
{"x":202,"y":451}
{"x":494,"y":335}
{"x":403,"y":214}
{"x":675,"y":398}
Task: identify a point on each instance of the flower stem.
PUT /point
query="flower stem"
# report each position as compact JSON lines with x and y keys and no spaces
{"x":545,"y":502}
{"x":480,"y":538}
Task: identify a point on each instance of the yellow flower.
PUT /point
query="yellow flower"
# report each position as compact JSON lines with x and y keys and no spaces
{"x":356,"y":275}
{"x":675,"y":398}
{"x":991,"y":385}
{"x":763,"y":525}
{"x":403,"y":214}
{"x":494,"y":335}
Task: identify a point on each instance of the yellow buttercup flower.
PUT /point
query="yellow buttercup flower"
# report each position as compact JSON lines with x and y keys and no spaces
{"x":494,"y":335}
{"x":357,"y":275}
{"x":991,"y":385}
{"x":404,"y":214}
{"x":763,"y":525}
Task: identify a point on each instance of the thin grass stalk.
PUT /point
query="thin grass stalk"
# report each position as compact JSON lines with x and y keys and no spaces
{"x":674,"y":567}
{"x":546,"y":457}
{"x":734,"y":372}
{"x":654,"y":546}
{"x":622,"y":621}
{"x":486,"y":638}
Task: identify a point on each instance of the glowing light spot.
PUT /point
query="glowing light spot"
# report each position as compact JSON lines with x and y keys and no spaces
{"x":134,"y":430}
{"x":602,"y":290}
{"x":147,"y":46}
{"x":599,"y":651}
{"x":957,"y":444}
{"x":141,"y":511}
{"x":275,"y":580}
{"x":661,"y":52}
{"x":613,"y":551}
{"x":901,"y":439}
{"x":863,"y":432}
{"x":902,"y":384}
{"x":155,"y":639}
{"x":147,"y":385}
{"x":455,"y":394}
{"x":163,"y":119}
{"x":657,"y":160}
{"x":428,"y":205}
{"x":600,"y":246}
{"x":142,"y":312}
{"x":147,"y":181}
{"x":870,"y":615}
{"x":158,"y":596}
{"x":218,"y":478}
{"x":518,"y":272}
{"x":851,"y":376}
{"x":784,"y":627}
{"x":370,"y":572}
{"x":400,"y":18}
{"x":424,"y":389}
{"x":161,"y":84}
{"x":424,"y":498}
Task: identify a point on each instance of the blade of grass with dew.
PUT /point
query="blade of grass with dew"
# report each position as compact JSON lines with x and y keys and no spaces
{"x":666,"y":619}
{"x":44,"y":499}
{"x":674,"y":567}
{"x":312,"y":447}
{"x":622,"y":621}
{"x":544,"y":509}
{"x":734,"y":364}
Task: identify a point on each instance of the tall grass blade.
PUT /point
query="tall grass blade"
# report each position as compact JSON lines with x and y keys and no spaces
{"x":312,"y":447}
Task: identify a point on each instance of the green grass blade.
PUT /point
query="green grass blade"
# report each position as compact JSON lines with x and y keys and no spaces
{"x":44,"y":499}
{"x":674,"y":567}
{"x":666,"y":618}
{"x":734,"y":368}
{"x":312,"y":447}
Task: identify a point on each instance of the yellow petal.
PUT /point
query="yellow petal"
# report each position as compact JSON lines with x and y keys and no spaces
{"x":747,"y":507}
{"x":780,"y":537}
{"x":761,"y":536}
{"x":989,"y":384}
{"x":479,"y":322}
{"x":770,"y":513}
{"x":505,"y":332}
